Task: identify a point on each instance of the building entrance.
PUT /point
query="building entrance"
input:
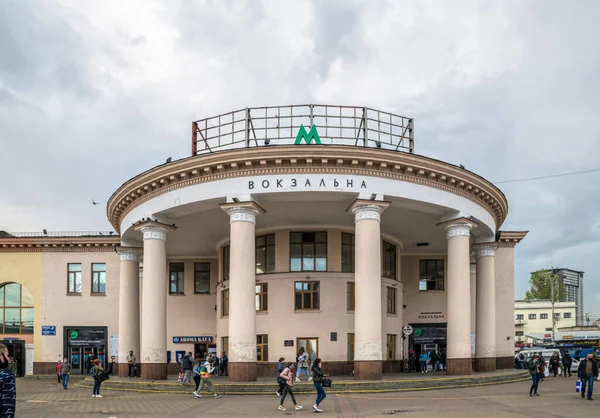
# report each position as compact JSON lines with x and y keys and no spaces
{"x":311,"y":346}
{"x":16,"y":351}
{"x":428,"y":337}
{"x":84,"y":344}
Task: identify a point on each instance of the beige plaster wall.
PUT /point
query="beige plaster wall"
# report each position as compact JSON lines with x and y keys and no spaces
{"x":86,"y":310}
{"x":417,"y":301}
{"x":505,"y":306}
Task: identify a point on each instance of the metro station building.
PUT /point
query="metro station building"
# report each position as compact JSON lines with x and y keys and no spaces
{"x":291,"y":226}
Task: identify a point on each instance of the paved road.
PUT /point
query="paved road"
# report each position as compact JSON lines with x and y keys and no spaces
{"x":45,"y":398}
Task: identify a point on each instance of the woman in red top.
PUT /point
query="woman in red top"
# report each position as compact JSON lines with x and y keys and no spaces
{"x":57,"y":371}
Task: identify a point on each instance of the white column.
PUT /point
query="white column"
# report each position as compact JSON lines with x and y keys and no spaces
{"x":459,"y":306}
{"x":153,"y":356}
{"x":242,"y":285}
{"x":485,"y":352}
{"x":368,"y":345}
{"x":129,"y":305}
{"x":473,"y":271}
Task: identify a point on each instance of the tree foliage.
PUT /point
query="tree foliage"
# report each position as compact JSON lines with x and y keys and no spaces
{"x":541,"y":286}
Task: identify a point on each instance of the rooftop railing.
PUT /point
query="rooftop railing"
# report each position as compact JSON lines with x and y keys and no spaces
{"x":58,"y":234}
{"x":296,"y":124}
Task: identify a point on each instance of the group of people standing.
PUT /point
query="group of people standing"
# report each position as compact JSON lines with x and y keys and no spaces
{"x":285,"y":379}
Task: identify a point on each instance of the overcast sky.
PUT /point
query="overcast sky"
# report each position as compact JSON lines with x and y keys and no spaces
{"x":94,"y":92}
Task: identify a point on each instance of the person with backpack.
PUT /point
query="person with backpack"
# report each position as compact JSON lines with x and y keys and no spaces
{"x":99,"y":377}
{"x":318,"y":377}
{"x":302,"y":364}
{"x":281,"y":384}
{"x":187,"y":366}
{"x":287,"y":379}
{"x":202,"y":373}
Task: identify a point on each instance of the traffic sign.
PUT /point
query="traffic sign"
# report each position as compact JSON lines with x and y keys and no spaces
{"x":407,"y":330}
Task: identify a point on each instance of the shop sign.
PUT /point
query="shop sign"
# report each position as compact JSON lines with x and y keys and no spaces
{"x":567,"y":337}
{"x":49,"y":330}
{"x":86,"y":337}
{"x":407,"y":330}
{"x":431,"y":315}
{"x":422,"y":335}
{"x":311,"y":183}
{"x":307,"y":137}
{"x":114,"y":345}
{"x":197,"y":339}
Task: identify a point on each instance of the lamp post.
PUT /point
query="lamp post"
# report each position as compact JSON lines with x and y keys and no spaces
{"x":552,"y":300}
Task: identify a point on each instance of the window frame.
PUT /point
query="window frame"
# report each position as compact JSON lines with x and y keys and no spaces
{"x":314,"y":245}
{"x":436,"y":279}
{"x":20,"y":307}
{"x":519,"y":333}
{"x":225,"y":262}
{"x":74,"y":292}
{"x":94,"y":272}
{"x":224,"y":303}
{"x":519,"y":317}
{"x":391,"y":342}
{"x":352,"y":250}
{"x":262,"y":340}
{"x":350,"y":341}
{"x":391,"y":301}
{"x":385,"y":247}
{"x":177,"y":282}
{"x":531,"y":317}
{"x":261,"y":297}
{"x":196,"y":264}
{"x":266,"y":247}
{"x":543,"y":316}
{"x":350,"y":296}
{"x":312,"y":292}
{"x":225,"y":345}
{"x":567,"y":317}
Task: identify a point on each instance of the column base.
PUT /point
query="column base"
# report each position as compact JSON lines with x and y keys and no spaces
{"x":458,"y":366}
{"x":368,"y":370}
{"x":123,"y":369}
{"x":505,"y":363}
{"x":487,"y":364}
{"x":153,"y":371}
{"x":242,"y":372}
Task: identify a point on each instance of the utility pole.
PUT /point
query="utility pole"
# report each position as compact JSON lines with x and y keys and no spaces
{"x":552,"y":300}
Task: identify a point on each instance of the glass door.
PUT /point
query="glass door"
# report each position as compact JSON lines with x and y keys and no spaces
{"x":76,"y":359}
{"x":311,"y":346}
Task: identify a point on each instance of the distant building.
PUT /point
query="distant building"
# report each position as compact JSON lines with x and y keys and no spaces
{"x":533,"y":320}
{"x":573,"y":282}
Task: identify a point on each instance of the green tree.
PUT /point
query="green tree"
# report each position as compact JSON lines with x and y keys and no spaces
{"x":541,"y":286}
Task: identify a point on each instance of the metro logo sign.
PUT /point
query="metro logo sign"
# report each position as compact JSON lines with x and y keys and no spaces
{"x":307,"y":137}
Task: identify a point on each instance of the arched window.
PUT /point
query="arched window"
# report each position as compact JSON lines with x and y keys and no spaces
{"x":16,"y":309}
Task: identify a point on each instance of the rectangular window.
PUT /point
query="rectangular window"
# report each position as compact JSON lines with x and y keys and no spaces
{"x":556,"y":315}
{"x":74,"y":279}
{"x":347,"y":253}
{"x":391,"y":346}
{"x":391,"y":300}
{"x":543,"y":316}
{"x":306,"y":295}
{"x":99,"y":278}
{"x":350,"y":348}
{"x":532,"y":316}
{"x":225,"y":257}
{"x":350,"y":296}
{"x":262,"y":347}
{"x":308,"y":251}
{"x":262,"y":297}
{"x":431,"y":274}
{"x":520,"y":317}
{"x":176,"y":278}
{"x":265,"y":254}
{"x":388,"y":268}
{"x":225,"y":302}
{"x":202,"y":277}
{"x":519,"y":333}
{"x":567,"y":315}
{"x":225,"y":345}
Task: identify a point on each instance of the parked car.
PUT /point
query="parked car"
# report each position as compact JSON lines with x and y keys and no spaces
{"x":547,"y":354}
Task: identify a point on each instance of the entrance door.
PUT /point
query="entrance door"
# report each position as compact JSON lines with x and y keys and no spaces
{"x":80,"y":357}
{"x":311,"y":346}
{"x":16,"y":351}
{"x":201,"y":350}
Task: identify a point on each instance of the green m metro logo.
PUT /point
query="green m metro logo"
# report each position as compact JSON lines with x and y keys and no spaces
{"x":307,"y":137}
{"x":74,"y":334}
{"x":418,"y":332}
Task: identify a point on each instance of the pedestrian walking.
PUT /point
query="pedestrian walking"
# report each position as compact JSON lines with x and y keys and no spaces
{"x":281,"y":384}
{"x":202,"y":373}
{"x":131,"y":361}
{"x":99,"y":377}
{"x":65,"y":372}
{"x":542,"y":367}
{"x":8,"y":388}
{"x":302,"y":364}
{"x":423,"y":360}
{"x":57,"y":371}
{"x":187,"y":365}
{"x":288,"y":378}
{"x":554,"y":363}
{"x":567,"y":362}
{"x":534,"y":369}
{"x":435,"y":361}
{"x":587,"y":372}
{"x":223,"y":364}
{"x":317,"y":374}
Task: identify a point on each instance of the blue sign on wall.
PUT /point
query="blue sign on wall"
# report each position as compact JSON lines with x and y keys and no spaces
{"x":48,"y":329}
{"x":179,"y":355}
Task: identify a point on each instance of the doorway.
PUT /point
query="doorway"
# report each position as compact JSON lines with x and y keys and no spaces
{"x":16,"y":351}
{"x":82,"y":344}
{"x":81,"y":357}
{"x":311,"y":346}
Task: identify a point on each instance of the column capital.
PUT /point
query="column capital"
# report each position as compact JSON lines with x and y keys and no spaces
{"x":485,"y":249}
{"x":130,"y":254}
{"x":367,"y":209}
{"x":242,"y":211}
{"x":154,"y":230}
{"x":459,"y":227}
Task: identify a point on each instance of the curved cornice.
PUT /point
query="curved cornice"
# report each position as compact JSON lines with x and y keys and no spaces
{"x":306,"y":159}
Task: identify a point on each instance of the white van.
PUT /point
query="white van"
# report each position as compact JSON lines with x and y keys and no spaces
{"x":547,"y":354}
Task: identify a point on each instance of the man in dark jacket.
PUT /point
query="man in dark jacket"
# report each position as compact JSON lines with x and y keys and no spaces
{"x":567,"y":361}
{"x":587,"y":372}
{"x":187,"y":364}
